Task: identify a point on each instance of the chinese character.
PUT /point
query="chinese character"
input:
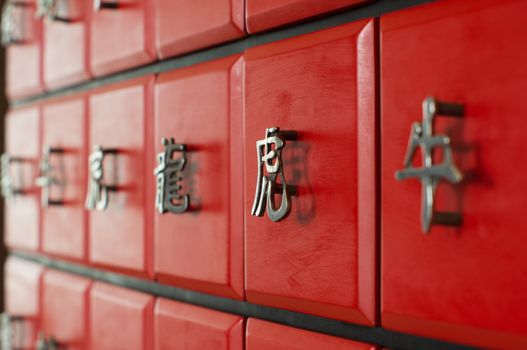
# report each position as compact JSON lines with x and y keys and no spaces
{"x":97,"y":196}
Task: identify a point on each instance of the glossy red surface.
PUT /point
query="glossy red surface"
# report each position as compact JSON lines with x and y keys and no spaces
{"x":122,"y":38}
{"x":267,"y":14}
{"x":64,"y":127}
{"x":21,"y":225}
{"x":321,"y":259}
{"x":120,"y":236}
{"x":463,"y":284}
{"x":187,"y":25}
{"x":187,"y":327}
{"x":262,"y":335}
{"x":65,"y":309}
{"x":202,"y":249}
{"x":120,"y":319}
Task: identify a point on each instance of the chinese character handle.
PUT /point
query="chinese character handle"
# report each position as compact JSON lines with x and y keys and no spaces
{"x":47,"y":178}
{"x":97,"y":197}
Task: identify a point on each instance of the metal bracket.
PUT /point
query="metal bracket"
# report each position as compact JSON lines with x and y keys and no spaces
{"x":422,"y":135}
{"x":47,"y":178}
{"x":97,"y":195}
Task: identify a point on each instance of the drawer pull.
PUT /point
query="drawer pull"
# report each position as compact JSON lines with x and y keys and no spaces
{"x":7,"y":182}
{"x":46,"y":343}
{"x":430,"y":174}
{"x":269,"y":153}
{"x":167,"y":172}
{"x":12,"y":330}
{"x":16,"y":29}
{"x":99,"y":5}
{"x":48,"y":177}
{"x":54,"y":10}
{"x":97,"y":196}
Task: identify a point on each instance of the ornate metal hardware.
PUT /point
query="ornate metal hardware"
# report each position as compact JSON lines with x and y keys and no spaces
{"x":168,"y":196}
{"x":11,"y":331}
{"x":48,"y":178}
{"x":53,"y":10}
{"x":105,"y":5}
{"x":97,"y":196}
{"x":46,"y":343}
{"x":7,"y":183}
{"x":16,"y":29}
{"x":269,"y":156}
{"x":422,"y":135}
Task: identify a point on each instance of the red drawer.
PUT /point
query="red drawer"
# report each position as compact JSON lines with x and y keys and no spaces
{"x":321,"y":258}
{"x":122,"y":35}
{"x":120,"y":319}
{"x":267,"y":14}
{"x":187,"y":25}
{"x":120,"y":231}
{"x":66,"y":34}
{"x":63,"y":178}
{"x":19,"y":171}
{"x":65,"y":310}
{"x":467,"y":283}
{"x":202,"y":247}
{"x":187,"y":327}
{"x":24,"y":49}
{"x":262,"y":335}
{"x":22,"y":303}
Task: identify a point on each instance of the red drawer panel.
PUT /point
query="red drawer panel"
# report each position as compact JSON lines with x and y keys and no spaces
{"x":65,"y":310}
{"x":187,"y":25}
{"x":321,"y":258}
{"x":122,"y":36}
{"x":66,"y":34}
{"x":203,"y":248}
{"x":64,"y":131}
{"x":22,"y":209}
{"x":120,"y":234}
{"x":267,"y":14}
{"x":120,"y":319}
{"x":464,"y":284}
{"x":262,"y":335}
{"x":187,"y":327}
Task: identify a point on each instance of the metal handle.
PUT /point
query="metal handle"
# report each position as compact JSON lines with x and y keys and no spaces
{"x":51,"y":9}
{"x":7,"y":183}
{"x":97,"y":196}
{"x":46,"y":342}
{"x":47,"y":178}
{"x":15,"y":27}
{"x":269,"y":156}
{"x":422,"y":136}
{"x":99,"y":5}
{"x":11,"y":327}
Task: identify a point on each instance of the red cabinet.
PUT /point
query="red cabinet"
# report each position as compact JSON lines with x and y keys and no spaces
{"x":267,"y":14}
{"x":65,"y":310}
{"x":321,"y":258}
{"x":187,"y":327}
{"x":120,"y":226}
{"x":262,"y":335}
{"x":202,"y":247}
{"x":122,"y":35}
{"x":19,"y":171}
{"x":62,"y":178}
{"x":467,"y":283}
{"x":120,"y":319}
{"x":186,"y":25}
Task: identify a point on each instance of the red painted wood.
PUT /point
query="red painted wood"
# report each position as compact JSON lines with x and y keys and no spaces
{"x":22,"y":293}
{"x":262,"y":335}
{"x":66,"y":52}
{"x":64,"y":126}
{"x":65,"y":309}
{"x":120,"y":319}
{"x":187,"y":327}
{"x":122,"y":38}
{"x":321,"y":259}
{"x":21,"y":227}
{"x":267,"y":14}
{"x":462,"y":284}
{"x":120,"y":236}
{"x":187,"y":25}
{"x":202,"y":249}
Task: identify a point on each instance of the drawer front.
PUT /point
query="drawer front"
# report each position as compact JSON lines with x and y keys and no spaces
{"x":63,"y":173}
{"x":187,"y":327}
{"x":21,"y":170}
{"x":320,"y":259}
{"x":461,"y":283}
{"x":120,"y":234}
{"x":262,"y":335}
{"x":66,"y":43}
{"x":65,"y":310}
{"x":267,"y":14}
{"x":120,"y":319}
{"x":200,"y":246}
{"x":22,"y":293}
{"x":187,"y":25}
{"x":122,"y":36}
